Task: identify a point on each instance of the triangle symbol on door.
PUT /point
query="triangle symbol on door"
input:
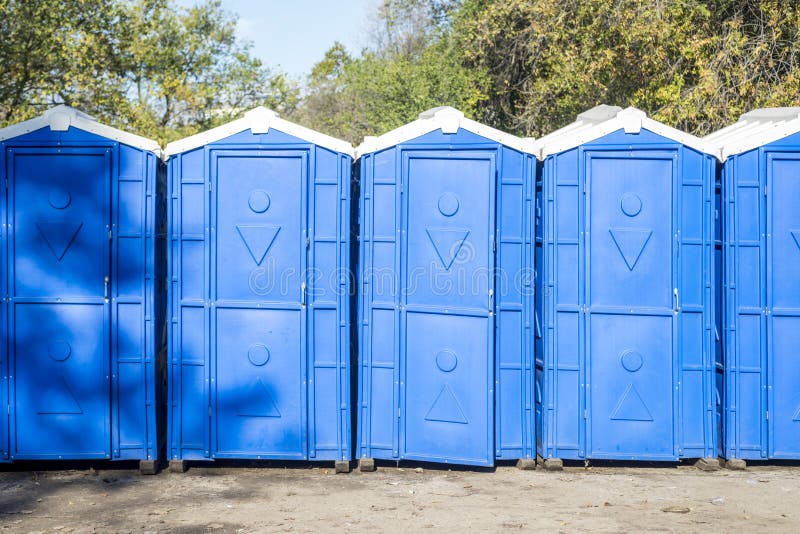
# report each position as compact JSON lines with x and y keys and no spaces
{"x":258,"y":239}
{"x":796,"y":236}
{"x":261,"y":403}
{"x":631,"y":407}
{"x":59,"y":236}
{"x":447,"y":242}
{"x":446,"y":408}
{"x":59,"y":400}
{"x":630,"y":243}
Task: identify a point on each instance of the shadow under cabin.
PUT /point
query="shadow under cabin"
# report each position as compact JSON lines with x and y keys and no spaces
{"x":259,"y":236}
{"x":83,"y":307}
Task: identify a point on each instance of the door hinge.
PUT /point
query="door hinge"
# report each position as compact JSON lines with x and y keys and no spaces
{"x":401,"y":188}
{"x":494,"y":245}
{"x":308,"y":242}
{"x":767,"y":415}
{"x":765,"y":190}
{"x":210,"y":187}
{"x":584,"y":186}
{"x":110,"y":235}
{"x":585,"y":414}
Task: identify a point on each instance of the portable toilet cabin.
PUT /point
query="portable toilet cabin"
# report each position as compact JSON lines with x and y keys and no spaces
{"x":761,"y":284}
{"x":259,"y":226}
{"x":445,"y":294}
{"x":625,"y":364}
{"x":82,"y":317}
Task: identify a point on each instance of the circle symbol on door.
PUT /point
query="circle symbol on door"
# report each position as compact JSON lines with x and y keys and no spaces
{"x":448,"y":204}
{"x":59,"y":350}
{"x":258,"y":354}
{"x":630,"y":204}
{"x":446,"y":360}
{"x":259,"y":201}
{"x":59,"y":199}
{"x":631,"y":360}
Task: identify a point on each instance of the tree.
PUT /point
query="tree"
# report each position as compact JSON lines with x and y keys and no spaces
{"x":693,"y":64}
{"x":412,"y":64}
{"x":188,"y":71}
{"x":143,"y":65}
{"x":59,"y":51}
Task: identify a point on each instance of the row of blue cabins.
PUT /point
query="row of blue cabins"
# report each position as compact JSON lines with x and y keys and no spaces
{"x":449,"y":293}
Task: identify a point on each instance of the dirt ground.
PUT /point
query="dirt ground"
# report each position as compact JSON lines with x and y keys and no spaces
{"x":404,"y":499}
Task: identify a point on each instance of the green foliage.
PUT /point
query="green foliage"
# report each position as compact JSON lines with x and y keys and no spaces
{"x":525,"y":66}
{"x":412,"y":65}
{"x":530,"y":66}
{"x":693,"y":64}
{"x":143,"y":65}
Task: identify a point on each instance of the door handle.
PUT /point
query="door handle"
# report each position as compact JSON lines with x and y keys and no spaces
{"x":677,"y":303}
{"x":303,"y":295}
{"x":105,"y":289}
{"x":491,"y":301}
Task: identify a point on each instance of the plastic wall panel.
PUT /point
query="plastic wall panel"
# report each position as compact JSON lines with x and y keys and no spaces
{"x":383,"y":432}
{"x":759,"y":305}
{"x":133,"y":291}
{"x":284,"y":393}
{"x":575,"y":366}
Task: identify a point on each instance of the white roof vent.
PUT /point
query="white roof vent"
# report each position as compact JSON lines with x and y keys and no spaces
{"x":599,"y":113}
{"x":448,"y":119}
{"x":260,"y":119}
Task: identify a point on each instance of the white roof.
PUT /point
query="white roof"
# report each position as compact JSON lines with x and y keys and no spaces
{"x":446,"y":119}
{"x":60,"y":118}
{"x":603,"y":120}
{"x":259,"y":120}
{"x":754,"y":129}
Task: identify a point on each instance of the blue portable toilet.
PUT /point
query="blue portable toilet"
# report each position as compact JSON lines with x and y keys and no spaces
{"x":259,"y":226}
{"x":445,"y":294}
{"x":625,"y":364}
{"x":761,"y":284}
{"x":82,"y":317}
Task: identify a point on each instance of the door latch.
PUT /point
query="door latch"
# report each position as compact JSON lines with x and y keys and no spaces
{"x":303,"y":295}
{"x":491,"y":301}
{"x":677,"y":303}
{"x":105,"y":288}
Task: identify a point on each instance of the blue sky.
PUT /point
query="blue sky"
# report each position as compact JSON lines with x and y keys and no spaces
{"x":294,"y":34}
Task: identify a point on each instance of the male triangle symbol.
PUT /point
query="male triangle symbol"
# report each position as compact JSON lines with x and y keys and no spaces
{"x":447,"y":242}
{"x":630,"y":243}
{"x":796,"y":236}
{"x":446,"y":408}
{"x":59,"y":236}
{"x":258,"y":239}
{"x":631,"y":407}
{"x":59,"y":399}
{"x":261,"y":402}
